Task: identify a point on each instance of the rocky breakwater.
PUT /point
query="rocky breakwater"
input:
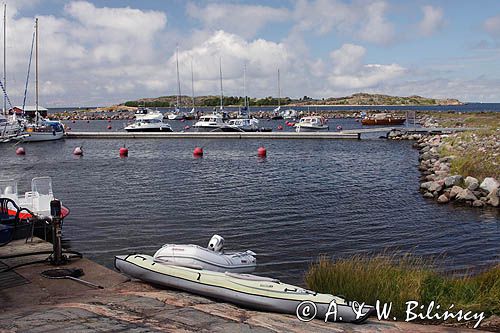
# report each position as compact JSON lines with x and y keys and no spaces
{"x":443,"y":185}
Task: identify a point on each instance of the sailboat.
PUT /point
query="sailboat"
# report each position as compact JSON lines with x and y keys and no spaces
{"x":177,"y":114}
{"x":191,"y":115}
{"x":215,"y":121}
{"x":9,"y":125}
{"x":41,"y":129}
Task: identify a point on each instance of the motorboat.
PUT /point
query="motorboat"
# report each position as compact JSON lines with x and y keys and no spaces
{"x":175,"y":116}
{"x":37,"y":200}
{"x":9,"y":128}
{"x":290,"y":114}
{"x":212,"y":258}
{"x":382,"y":119}
{"x":311,"y":124}
{"x":43,"y":130}
{"x":209,"y":123}
{"x":241,"y":125}
{"x":246,"y":290}
{"x":147,"y":120}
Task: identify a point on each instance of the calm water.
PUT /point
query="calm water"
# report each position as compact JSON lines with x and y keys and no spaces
{"x":306,"y":198}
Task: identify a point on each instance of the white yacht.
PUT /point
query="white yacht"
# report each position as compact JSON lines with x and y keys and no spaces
{"x":241,"y":125}
{"x":43,"y":130}
{"x":290,"y":114}
{"x":147,"y":120}
{"x":311,"y":124}
{"x":210,"y":123}
{"x":9,"y":129}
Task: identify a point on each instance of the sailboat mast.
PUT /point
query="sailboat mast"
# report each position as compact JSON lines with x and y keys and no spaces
{"x":245,"y":83}
{"x":36,"y":69}
{"x":5,"y":58}
{"x":279,"y":89}
{"x":221,"y":91}
{"x":178,"y":80}
{"x":192,"y":82}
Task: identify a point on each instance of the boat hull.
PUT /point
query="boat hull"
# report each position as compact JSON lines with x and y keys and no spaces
{"x":43,"y":136}
{"x":310,"y":129}
{"x":248,"y":291}
{"x":151,"y":129}
{"x":389,"y":121}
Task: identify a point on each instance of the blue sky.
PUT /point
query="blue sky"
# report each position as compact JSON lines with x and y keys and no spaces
{"x":103,"y":52}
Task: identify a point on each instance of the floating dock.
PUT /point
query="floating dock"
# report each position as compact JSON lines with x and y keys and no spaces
{"x":212,"y":135}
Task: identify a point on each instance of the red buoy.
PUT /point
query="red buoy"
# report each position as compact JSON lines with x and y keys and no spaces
{"x":78,"y":151}
{"x":20,"y":151}
{"x":290,"y":124}
{"x":109,"y":120}
{"x":109,"y":127}
{"x":339,"y":128}
{"x":186,"y":127}
{"x":198,"y":152}
{"x":123,"y":152}
{"x":261,"y":152}
{"x":280,"y":127}
{"x":73,"y":121}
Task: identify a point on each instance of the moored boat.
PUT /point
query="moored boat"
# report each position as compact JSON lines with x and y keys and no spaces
{"x":382,"y":119}
{"x":311,"y":124}
{"x":147,"y":120}
{"x":250,"y":291}
{"x":209,"y":123}
{"x":212,"y":258}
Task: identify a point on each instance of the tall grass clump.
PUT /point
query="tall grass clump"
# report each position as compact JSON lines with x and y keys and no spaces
{"x":401,"y":279}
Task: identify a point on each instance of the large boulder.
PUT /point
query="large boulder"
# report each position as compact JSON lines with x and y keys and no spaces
{"x":489,"y":183}
{"x":452,"y":180}
{"x":454,"y":191}
{"x":442,"y":199}
{"x":478,"y":203}
{"x":471,"y":183}
{"x":435,"y":187}
{"x":425,"y":185}
{"x":493,"y":198}
{"x":465,"y":195}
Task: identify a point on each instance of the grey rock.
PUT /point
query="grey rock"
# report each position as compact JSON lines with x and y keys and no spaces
{"x":428,"y":195}
{"x":465,"y":195}
{"x":454,"y":191}
{"x":435,"y":187}
{"x":452,"y":180}
{"x":478,"y":203}
{"x":425,"y":185}
{"x":489,"y":183}
{"x":493,"y":198}
{"x":442,"y":199}
{"x":471,"y":183}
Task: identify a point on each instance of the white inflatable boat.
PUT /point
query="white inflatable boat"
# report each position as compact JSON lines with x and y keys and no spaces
{"x":211,"y":258}
{"x":250,"y":291}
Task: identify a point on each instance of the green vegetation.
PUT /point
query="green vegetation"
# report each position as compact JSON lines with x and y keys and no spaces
{"x":476,"y":153}
{"x":398,"y":280}
{"x":356,"y":99}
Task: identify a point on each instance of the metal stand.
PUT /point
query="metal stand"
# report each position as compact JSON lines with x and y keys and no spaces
{"x":57,"y":258}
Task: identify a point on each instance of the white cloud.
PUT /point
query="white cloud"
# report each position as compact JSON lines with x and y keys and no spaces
{"x":350,"y":72}
{"x":364,"y":20}
{"x":432,"y":20}
{"x":243,"y":20}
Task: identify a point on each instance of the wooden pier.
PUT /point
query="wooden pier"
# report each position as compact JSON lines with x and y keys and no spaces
{"x":345,"y":134}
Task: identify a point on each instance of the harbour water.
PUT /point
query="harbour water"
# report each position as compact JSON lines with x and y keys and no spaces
{"x":307,"y":198}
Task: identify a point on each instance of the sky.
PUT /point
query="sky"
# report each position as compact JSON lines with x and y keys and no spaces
{"x":104,"y":52}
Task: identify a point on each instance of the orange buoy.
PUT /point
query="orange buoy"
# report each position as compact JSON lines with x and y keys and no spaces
{"x":261,"y":152}
{"x":109,"y":127}
{"x":78,"y":151}
{"x":280,"y":127}
{"x":123,"y":151}
{"x":20,"y":151}
{"x":198,"y":152}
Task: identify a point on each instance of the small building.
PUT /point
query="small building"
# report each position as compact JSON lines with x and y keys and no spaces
{"x":29,"y":110}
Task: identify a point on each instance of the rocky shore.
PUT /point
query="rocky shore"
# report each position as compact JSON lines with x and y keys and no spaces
{"x":475,"y":153}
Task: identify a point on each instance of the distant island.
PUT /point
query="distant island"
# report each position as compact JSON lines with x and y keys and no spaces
{"x":355,"y":99}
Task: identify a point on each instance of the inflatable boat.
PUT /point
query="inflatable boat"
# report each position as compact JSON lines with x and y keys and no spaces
{"x":211,"y":258}
{"x":250,"y":291}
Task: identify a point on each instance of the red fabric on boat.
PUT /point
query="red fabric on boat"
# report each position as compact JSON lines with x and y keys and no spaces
{"x":24,"y":215}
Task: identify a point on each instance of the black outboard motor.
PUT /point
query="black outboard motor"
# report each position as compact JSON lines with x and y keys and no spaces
{"x":57,"y":258}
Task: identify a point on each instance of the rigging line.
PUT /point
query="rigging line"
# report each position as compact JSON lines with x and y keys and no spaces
{"x":5,"y":94}
{"x":29,"y":68}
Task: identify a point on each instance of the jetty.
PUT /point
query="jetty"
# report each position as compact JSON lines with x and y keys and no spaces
{"x":32,"y":303}
{"x":344,"y":134}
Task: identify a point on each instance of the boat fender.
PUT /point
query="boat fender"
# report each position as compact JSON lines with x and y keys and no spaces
{"x":216,"y":243}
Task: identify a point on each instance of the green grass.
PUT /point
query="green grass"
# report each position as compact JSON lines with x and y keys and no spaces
{"x":401,"y":279}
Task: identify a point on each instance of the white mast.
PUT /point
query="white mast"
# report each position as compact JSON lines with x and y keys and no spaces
{"x":192,"y":84}
{"x":279,"y":90}
{"x":221,"y":91}
{"x":178,"y":81}
{"x":36,"y":69}
{"x":5,"y":59}
{"x":245,"y":86}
